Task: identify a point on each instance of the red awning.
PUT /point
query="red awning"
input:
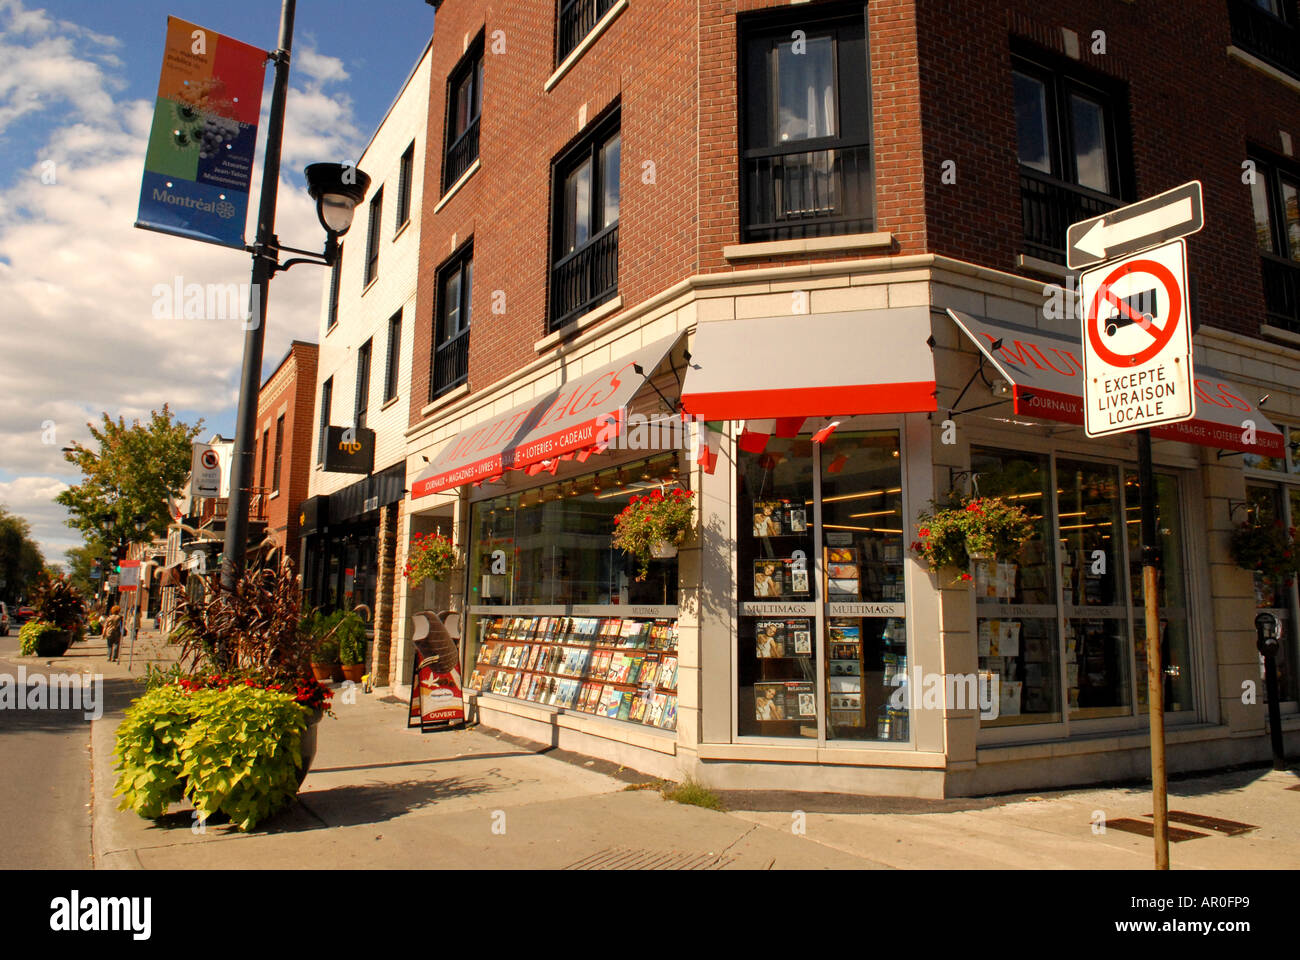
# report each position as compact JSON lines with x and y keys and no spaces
{"x":811,"y":365}
{"x":583,"y":414}
{"x":1045,"y":373}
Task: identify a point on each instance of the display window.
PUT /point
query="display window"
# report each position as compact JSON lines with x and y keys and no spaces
{"x":821,"y":639}
{"x":1266,"y":504}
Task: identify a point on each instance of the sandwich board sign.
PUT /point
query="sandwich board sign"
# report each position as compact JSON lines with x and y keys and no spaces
{"x":1137,"y":342}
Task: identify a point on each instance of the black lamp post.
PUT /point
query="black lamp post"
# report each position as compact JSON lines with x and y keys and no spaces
{"x":337,"y":190}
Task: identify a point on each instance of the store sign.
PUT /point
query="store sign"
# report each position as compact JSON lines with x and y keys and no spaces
{"x":205,"y":471}
{"x":768,"y":608}
{"x":349,"y":450}
{"x":1137,"y":343}
{"x":129,"y":579}
{"x":199,"y":162}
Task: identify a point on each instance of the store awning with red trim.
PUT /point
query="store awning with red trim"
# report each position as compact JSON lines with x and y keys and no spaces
{"x":811,"y":365}
{"x":1045,"y":372}
{"x":583,"y":414}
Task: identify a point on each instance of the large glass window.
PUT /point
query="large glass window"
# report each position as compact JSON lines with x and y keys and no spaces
{"x":1275,"y":198}
{"x":464,"y":106}
{"x":453,"y":312}
{"x":1268,"y":504}
{"x":584,"y":271}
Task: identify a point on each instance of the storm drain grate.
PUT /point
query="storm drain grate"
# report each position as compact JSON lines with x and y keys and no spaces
{"x":626,"y":858}
{"x":1228,"y":827}
{"x":1142,"y":828}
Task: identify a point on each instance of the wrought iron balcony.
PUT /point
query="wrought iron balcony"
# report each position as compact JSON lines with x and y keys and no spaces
{"x":575,"y":21}
{"x":1281,"y":292}
{"x":1048,"y":206}
{"x":461,"y":155}
{"x":812,"y":193}
{"x":450,"y":365}
{"x":585,"y":278}
{"x":1271,"y":38}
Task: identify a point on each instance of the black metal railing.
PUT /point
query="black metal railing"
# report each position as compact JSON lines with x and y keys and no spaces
{"x":1048,"y":206}
{"x":461,"y":154}
{"x":585,"y":278}
{"x":575,"y":20}
{"x":1273,"y":39}
{"x":1281,"y":292}
{"x":814,"y":193}
{"x":450,"y":364}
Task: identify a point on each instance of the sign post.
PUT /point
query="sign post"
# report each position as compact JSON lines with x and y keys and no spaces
{"x":1137,"y":374}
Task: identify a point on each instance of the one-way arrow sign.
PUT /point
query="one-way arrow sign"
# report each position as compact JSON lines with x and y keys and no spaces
{"x":1148,"y":223}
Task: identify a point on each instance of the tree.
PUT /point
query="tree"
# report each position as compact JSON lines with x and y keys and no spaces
{"x":81,"y":560}
{"x":21,"y":561}
{"x":129,"y":478}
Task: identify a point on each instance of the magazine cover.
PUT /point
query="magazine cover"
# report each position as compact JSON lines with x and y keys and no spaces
{"x":769,"y":701}
{"x":668,"y":674}
{"x":769,"y":639}
{"x":841,"y":555}
{"x":770,"y":579}
{"x":799,"y":637}
{"x":670,"y":714}
{"x":798,"y":520}
{"x":767,"y":518}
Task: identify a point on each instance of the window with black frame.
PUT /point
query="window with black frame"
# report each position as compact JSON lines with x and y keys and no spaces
{"x":393,"y":368}
{"x":574,"y":20}
{"x":363,"y":384}
{"x":464,"y":104}
{"x":1069,"y":139}
{"x":806,"y":127}
{"x":584,"y":271}
{"x":1275,"y":197}
{"x":326,"y":400}
{"x":451,"y":323}
{"x":1269,"y":30}
{"x":336,"y":270}
{"x":406,"y":174}
{"x":372,"y":237}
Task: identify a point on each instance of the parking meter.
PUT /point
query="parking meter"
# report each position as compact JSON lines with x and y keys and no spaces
{"x":1268,"y":640}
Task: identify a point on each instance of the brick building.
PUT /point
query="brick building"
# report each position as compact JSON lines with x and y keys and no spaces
{"x":283,"y":445}
{"x":652,"y":211}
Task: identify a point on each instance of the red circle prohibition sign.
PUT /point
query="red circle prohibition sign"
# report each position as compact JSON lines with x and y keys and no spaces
{"x":1160,"y":337}
{"x":209,"y":459}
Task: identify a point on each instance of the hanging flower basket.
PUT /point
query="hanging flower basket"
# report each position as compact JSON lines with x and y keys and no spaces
{"x":653,"y":526}
{"x":431,"y":557}
{"x":983,"y":528}
{"x":1268,"y":549}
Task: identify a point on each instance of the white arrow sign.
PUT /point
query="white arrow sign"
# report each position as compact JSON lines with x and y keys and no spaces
{"x":1102,"y":236}
{"x":1148,"y":223}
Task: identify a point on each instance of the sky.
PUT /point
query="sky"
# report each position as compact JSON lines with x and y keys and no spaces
{"x":78,"y":80}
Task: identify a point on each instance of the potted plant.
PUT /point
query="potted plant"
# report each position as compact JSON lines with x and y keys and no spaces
{"x":324,"y":659}
{"x":653,"y":526}
{"x":1267,"y":549}
{"x":431,"y":557}
{"x":59,"y":606}
{"x":351,"y":637}
{"x":982,"y":528}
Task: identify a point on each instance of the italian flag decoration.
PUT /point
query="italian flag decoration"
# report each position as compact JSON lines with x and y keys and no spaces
{"x":705,"y":443}
{"x":755,"y":434}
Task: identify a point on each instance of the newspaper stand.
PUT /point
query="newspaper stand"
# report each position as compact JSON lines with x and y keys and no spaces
{"x":436,"y":695}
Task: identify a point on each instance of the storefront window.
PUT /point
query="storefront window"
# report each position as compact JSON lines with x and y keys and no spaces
{"x":1016,"y":602}
{"x":862,"y":553}
{"x":1267,"y":504}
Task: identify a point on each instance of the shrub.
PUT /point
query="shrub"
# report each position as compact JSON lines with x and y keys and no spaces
{"x":351,"y":637}
{"x":59,"y":602}
{"x":326,"y":652}
{"x":692,"y":793}
{"x":30,"y":634}
{"x":234,"y":749}
{"x":1270,"y":549}
{"x":988,"y":526}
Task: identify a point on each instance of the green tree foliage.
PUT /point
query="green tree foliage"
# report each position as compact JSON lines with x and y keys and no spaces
{"x":21,"y":561}
{"x":130,"y":476}
{"x":80,"y":562}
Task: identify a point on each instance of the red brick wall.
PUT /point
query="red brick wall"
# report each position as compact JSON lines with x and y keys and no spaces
{"x":298,"y":394}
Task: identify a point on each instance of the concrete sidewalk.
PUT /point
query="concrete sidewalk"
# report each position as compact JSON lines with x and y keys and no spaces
{"x":380,"y":795}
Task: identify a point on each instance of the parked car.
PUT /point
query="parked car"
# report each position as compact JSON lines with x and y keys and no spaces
{"x":4,"y":620}
{"x":24,"y":613}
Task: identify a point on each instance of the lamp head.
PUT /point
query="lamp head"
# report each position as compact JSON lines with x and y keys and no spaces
{"x":337,"y":188}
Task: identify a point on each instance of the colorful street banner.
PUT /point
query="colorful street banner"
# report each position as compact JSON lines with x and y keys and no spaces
{"x":199,"y":163}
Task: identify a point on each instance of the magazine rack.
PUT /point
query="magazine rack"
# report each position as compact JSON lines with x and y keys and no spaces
{"x":436,"y":696}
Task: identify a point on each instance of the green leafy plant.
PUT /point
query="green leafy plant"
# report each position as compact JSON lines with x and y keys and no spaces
{"x":651,"y":520}
{"x":986,"y":527}
{"x":1269,"y":549}
{"x":31,"y":633}
{"x":351,"y":636}
{"x":233,"y":749}
{"x":326,"y":652}
{"x":431,"y":557}
{"x":59,"y":602}
{"x":692,"y":793}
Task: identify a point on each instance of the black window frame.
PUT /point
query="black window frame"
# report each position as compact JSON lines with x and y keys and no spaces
{"x":570,"y":15}
{"x":405,"y":174}
{"x":326,"y":402}
{"x":562,"y":308}
{"x":460,"y":149}
{"x":336,"y":280}
{"x":449,"y":356}
{"x":266,"y":443}
{"x":1279,"y":269}
{"x":392,"y":366}
{"x":1271,"y":37}
{"x":279,"y":455}
{"x":848,"y":155}
{"x":365,"y":354}
{"x":375,"y":219}
{"x":1052,"y":201}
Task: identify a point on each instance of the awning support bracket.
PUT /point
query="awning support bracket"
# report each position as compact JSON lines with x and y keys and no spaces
{"x":646,"y":377}
{"x":979,"y":372}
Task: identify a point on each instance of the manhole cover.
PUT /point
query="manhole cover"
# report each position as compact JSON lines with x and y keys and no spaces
{"x":624,"y":858}
{"x":1142,"y":828}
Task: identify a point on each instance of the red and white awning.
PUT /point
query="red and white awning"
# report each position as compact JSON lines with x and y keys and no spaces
{"x":581,"y":416}
{"x":1045,"y":372}
{"x":811,"y":365}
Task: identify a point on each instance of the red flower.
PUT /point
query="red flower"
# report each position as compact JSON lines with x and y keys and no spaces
{"x":924,"y":531}
{"x":965,"y":576}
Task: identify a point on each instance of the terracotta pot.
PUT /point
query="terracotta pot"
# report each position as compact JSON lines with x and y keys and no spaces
{"x":322,"y":671}
{"x":354,"y":671}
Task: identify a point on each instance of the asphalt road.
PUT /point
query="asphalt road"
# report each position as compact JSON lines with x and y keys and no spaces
{"x":44,"y":776}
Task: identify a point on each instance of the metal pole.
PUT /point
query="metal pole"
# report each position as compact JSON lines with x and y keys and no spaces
{"x":1155,"y":667}
{"x":264,"y":264}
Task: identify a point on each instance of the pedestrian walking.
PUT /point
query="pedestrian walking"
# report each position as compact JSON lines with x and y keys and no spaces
{"x":113,"y":633}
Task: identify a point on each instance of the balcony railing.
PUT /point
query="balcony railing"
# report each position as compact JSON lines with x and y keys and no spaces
{"x":1259,"y":32}
{"x":575,"y":21}
{"x":1048,"y":206}
{"x":450,"y":364}
{"x":462,"y":154}
{"x":219,"y":509}
{"x":1281,"y":292}
{"x":585,"y":278}
{"x":815,"y":193}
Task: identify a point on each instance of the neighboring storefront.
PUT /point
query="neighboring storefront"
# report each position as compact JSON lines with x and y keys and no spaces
{"x":795,"y":640}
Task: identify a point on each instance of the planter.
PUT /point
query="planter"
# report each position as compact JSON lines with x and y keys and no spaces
{"x":354,"y":671}
{"x":308,"y":745}
{"x":324,"y":671}
{"x":54,"y":643}
{"x":336,"y":672}
{"x":663,"y":550}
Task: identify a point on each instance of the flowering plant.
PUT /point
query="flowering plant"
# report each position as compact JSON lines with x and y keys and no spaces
{"x":432,"y":557}
{"x":651,"y":520}
{"x":1270,"y":549}
{"x":980,"y":527}
{"x":306,"y":691}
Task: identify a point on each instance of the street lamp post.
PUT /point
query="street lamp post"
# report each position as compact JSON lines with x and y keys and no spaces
{"x":337,"y":190}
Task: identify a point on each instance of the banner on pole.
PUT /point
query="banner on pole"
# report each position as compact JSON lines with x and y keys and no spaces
{"x":199,"y":163}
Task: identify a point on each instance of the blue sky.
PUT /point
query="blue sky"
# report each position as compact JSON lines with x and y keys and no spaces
{"x":79,"y":284}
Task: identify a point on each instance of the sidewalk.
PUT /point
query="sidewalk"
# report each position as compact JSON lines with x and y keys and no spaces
{"x":379,"y":795}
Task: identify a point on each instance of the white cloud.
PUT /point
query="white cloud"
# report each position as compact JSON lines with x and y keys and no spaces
{"x":77,"y":279}
{"x":33,"y":499}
